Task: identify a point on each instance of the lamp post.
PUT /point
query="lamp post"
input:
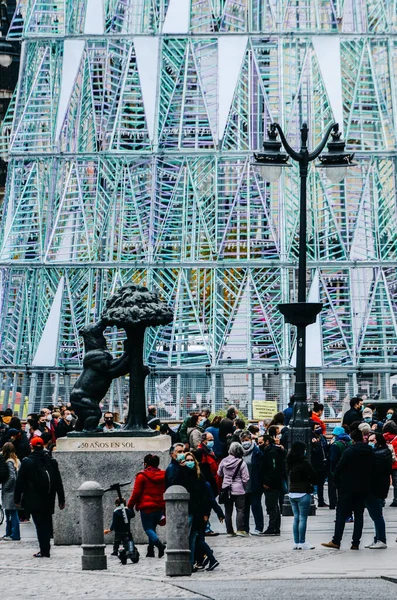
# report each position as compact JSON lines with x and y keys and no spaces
{"x":302,"y":313}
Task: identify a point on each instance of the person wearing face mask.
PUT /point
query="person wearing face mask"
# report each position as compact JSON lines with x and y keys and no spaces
{"x":195,"y":431}
{"x":253,"y":498}
{"x":391,"y":415}
{"x":355,"y":413}
{"x":209,"y":468}
{"x":235,"y":476}
{"x":379,"y":489}
{"x":199,"y":507}
{"x":65,"y":425}
{"x":110,"y":426}
{"x":339,"y":443}
{"x":390,"y":435}
{"x":177,"y":453}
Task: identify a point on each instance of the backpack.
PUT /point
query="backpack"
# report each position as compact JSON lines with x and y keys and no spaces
{"x":342,"y":445}
{"x":4,"y":472}
{"x":393,"y":452}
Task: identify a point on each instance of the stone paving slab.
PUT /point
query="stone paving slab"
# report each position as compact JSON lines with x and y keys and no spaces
{"x":246,"y":559}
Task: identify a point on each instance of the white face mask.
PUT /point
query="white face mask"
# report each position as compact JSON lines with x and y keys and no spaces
{"x":69,"y":418}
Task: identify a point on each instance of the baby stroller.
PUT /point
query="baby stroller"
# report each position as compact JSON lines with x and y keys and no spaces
{"x":129,"y":550}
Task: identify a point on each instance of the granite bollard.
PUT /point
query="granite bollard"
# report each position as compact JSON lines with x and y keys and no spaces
{"x":178,"y":553}
{"x":91,"y":518}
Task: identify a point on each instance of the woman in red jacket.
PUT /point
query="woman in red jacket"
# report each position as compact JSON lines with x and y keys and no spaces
{"x":147,"y":497}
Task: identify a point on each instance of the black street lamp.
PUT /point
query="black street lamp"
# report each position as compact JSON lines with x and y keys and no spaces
{"x":302,"y":313}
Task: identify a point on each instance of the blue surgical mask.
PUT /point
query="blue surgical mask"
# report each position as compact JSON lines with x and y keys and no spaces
{"x":180,"y":457}
{"x":246,"y":445}
{"x":372,"y":444}
{"x":389,"y":416}
{"x":210,"y":444}
{"x":202,"y":422}
{"x":190,"y":464}
{"x":368,"y":419}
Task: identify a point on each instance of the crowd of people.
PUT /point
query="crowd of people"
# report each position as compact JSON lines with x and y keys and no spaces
{"x":227,"y":467}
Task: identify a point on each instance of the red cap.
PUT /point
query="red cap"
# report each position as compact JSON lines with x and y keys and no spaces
{"x":36,"y":441}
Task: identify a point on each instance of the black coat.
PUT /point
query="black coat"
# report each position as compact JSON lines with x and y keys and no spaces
{"x":272,"y":468}
{"x":302,"y":476}
{"x":353,"y":471}
{"x":382,"y":468}
{"x":352,"y":416}
{"x":226,"y":426}
{"x":38,"y":482}
{"x":199,"y":503}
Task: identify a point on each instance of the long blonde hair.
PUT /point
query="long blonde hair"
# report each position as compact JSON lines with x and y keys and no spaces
{"x":196,"y":465}
{"x":8,"y":452}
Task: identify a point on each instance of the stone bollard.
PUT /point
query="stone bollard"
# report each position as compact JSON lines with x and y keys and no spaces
{"x":178,"y":553}
{"x":91,"y":519}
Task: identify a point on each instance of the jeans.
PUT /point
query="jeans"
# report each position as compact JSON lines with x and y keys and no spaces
{"x":375,"y":508}
{"x":301,"y":510}
{"x":12,"y":524}
{"x":319,"y":488}
{"x":253,"y":501}
{"x":197,"y":544}
{"x":43,"y":524}
{"x":272,"y":498}
{"x":394,"y":482}
{"x":149,"y":523}
{"x":348,"y":503}
{"x":239,"y":503}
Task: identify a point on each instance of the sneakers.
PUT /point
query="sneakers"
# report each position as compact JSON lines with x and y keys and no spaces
{"x":241,"y":534}
{"x":323,"y":505}
{"x":198,"y":568}
{"x":231,"y":534}
{"x":331,"y":545}
{"x":270,"y":533}
{"x":296,"y":547}
{"x":256,"y":532}
{"x":211,"y":533}
{"x":39,"y":555}
{"x":306,"y":546}
{"x":377,"y":546}
{"x":212,"y":565}
{"x":349,"y":520}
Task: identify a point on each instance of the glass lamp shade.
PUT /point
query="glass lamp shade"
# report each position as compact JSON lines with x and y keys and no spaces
{"x":336,"y":174}
{"x":269,"y":172}
{"x":5,"y":60}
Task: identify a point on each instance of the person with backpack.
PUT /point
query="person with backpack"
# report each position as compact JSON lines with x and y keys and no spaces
{"x":340,"y":441}
{"x":38,"y":483}
{"x":390,"y":434}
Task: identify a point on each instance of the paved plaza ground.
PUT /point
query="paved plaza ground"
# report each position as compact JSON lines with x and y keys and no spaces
{"x":253,"y":566}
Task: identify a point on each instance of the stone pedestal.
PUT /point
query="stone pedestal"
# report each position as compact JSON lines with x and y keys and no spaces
{"x":178,"y":553}
{"x":107,"y":459}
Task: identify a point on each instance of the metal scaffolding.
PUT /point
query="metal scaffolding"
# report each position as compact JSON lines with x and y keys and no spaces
{"x":130,"y":138}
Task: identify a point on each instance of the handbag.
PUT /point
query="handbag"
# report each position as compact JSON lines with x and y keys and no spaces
{"x":225,"y":495}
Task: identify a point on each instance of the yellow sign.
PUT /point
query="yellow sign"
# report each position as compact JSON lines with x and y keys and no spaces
{"x":263,"y":409}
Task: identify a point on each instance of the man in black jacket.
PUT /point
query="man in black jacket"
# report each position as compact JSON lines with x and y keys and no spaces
{"x":355,"y":413}
{"x":352,"y":478}
{"x":272,"y":473}
{"x":39,"y":481}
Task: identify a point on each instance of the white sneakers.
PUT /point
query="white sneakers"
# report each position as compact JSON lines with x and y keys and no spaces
{"x":305,"y":546}
{"x":377,"y":546}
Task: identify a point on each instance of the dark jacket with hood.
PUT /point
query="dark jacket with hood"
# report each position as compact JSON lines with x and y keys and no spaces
{"x":341,"y":443}
{"x":353,"y":471}
{"x":302,"y":476}
{"x":382,"y":469}
{"x":39,"y":481}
